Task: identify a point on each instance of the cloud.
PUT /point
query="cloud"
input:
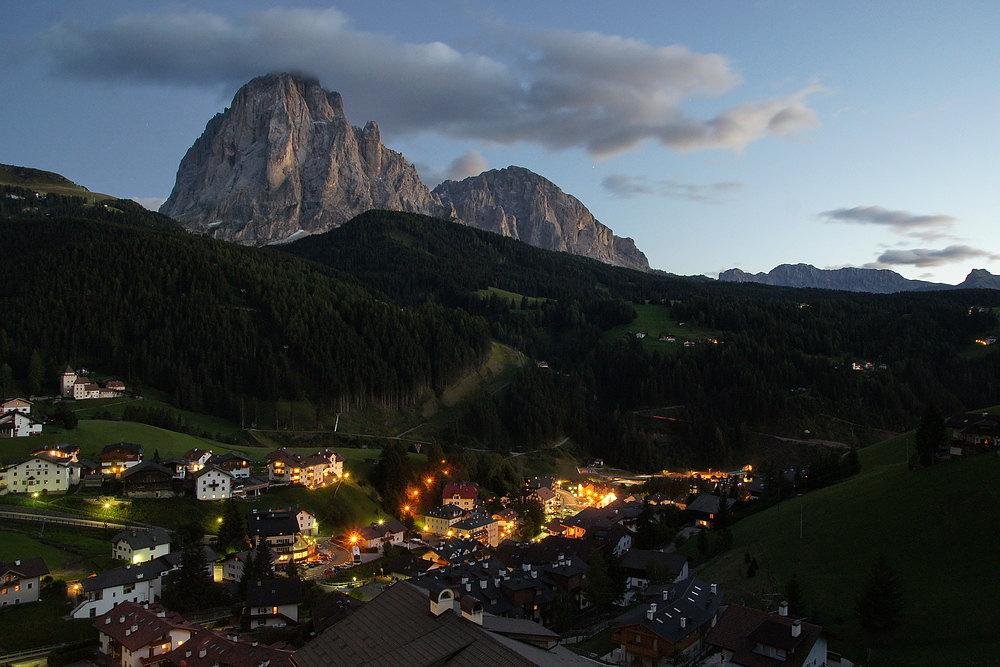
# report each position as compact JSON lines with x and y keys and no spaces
{"x":926,"y":227}
{"x":151,"y":203}
{"x":471,"y":163}
{"x":625,"y":187}
{"x":556,"y":88}
{"x":925,"y":258}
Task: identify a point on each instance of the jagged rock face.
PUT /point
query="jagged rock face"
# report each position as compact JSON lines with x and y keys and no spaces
{"x":284,"y":158}
{"x":521,"y":204}
{"x":981,"y":279}
{"x":879,"y":281}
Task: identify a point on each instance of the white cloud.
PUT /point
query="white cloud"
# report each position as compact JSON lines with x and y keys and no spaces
{"x":556,"y":88}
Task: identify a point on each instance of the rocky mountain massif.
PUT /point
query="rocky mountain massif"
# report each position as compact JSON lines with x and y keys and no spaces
{"x":284,"y":161}
{"x":878,"y":281}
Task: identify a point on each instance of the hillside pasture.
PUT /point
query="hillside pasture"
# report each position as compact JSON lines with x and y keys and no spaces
{"x":939,"y":526}
{"x":654,"y":320}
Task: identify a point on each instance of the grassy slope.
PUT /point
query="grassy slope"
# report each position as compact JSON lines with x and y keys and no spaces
{"x":938,"y":525}
{"x":654,"y":320}
{"x":45,"y":182}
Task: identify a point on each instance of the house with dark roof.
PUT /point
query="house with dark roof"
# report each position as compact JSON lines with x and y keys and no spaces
{"x":285,"y":531}
{"x":102,"y":592}
{"x":670,"y":626}
{"x":138,"y":545}
{"x":380,"y":533}
{"x":148,"y":480}
{"x":235,"y":464}
{"x":439,"y":520}
{"x":334,"y":607}
{"x":212,"y":483}
{"x":454,"y":550}
{"x":754,"y":638}
{"x":133,"y":635}
{"x":486,"y":529}
{"x":409,"y":627}
{"x":272,"y":603}
{"x":117,"y":458}
{"x":972,"y":433}
{"x":705,"y":507}
{"x":643,"y":566}
{"x":16,"y":420}
{"x":20,"y":580}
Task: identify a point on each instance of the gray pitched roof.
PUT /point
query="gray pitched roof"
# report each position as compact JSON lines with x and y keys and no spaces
{"x":691,"y":599}
{"x":397,"y":629}
{"x":139,"y":538}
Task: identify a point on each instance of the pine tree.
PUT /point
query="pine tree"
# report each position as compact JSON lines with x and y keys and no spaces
{"x":233,"y":529}
{"x":931,"y":434}
{"x":599,"y":588}
{"x":794,"y":596}
{"x":36,"y":374}
{"x":881,"y":605}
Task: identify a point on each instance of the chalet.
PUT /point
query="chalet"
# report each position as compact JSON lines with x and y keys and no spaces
{"x":196,"y":459}
{"x":643,"y":566}
{"x":212,"y":483}
{"x":533,"y":591}
{"x":463,"y":494}
{"x":453,"y":550}
{"x":671,"y":626}
{"x":210,"y":648}
{"x":506,"y":522}
{"x":17,"y":424}
{"x":16,"y":405}
{"x":546,"y":496}
{"x":41,"y":473}
{"x":486,"y":529}
{"x":148,"y":480}
{"x":64,"y":451}
{"x":439,"y":520}
{"x":755,"y":638}
{"x":410,"y":626}
{"x":705,"y":507}
{"x":102,"y":592}
{"x":970,"y":432}
{"x":235,"y":464}
{"x":272,"y":603}
{"x":319,"y":469}
{"x":132,"y":635}
{"x":137,"y":545}
{"x":117,"y":458}
{"x":20,"y":581}
{"x":284,"y":531}
{"x":380,"y":533}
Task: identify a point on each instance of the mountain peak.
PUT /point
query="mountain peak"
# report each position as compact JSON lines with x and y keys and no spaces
{"x":881,"y":281}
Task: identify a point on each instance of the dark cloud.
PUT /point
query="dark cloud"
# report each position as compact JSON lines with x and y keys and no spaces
{"x":926,"y":258}
{"x":624,"y":186}
{"x":557,"y":88}
{"x":927,"y":227}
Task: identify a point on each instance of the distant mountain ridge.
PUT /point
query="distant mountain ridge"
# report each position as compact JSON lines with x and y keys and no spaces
{"x":283,"y":161}
{"x":850,"y":279}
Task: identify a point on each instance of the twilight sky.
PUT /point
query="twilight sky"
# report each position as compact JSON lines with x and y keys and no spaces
{"x":717,"y":134}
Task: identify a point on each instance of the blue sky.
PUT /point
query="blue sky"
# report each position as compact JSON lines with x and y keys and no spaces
{"x":717,"y":134}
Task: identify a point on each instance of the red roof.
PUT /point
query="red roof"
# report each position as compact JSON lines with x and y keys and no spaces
{"x":464,"y":490}
{"x":134,"y":626}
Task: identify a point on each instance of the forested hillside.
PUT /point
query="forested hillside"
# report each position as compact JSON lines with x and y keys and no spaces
{"x":219,"y":326}
{"x":784,"y":361}
{"x":18,"y":202}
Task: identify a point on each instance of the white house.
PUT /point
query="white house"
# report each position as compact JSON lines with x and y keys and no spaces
{"x":132,"y":635}
{"x":18,"y":424}
{"x":136,"y":545}
{"x":20,"y":581}
{"x":16,"y":405}
{"x":41,"y":473}
{"x":141,"y":583}
{"x":212,"y":483}
{"x":76,"y":385}
{"x":749,"y":636}
{"x":272,"y":603}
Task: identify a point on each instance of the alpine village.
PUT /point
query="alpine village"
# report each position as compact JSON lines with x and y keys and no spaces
{"x":314,"y":413}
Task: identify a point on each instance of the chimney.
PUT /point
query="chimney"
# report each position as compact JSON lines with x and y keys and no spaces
{"x":652,"y":607}
{"x":121,"y":619}
{"x":684,"y":622}
{"x":17,"y":563}
{"x":797,"y":627}
{"x":161,"y":613}
{"x":650,"y":612}
{"x":526,"y":567}
{"x":666,"y":595}
{"x":468,"y":588}
{"x":135,"y":627}
{"x":482,"y":583}
{"x":715,"y":588}
{"x":783,"y":609}
{"x":202,"y":653}
{"x":534,"y":574}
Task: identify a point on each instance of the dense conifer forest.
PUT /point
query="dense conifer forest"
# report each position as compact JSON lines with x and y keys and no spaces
{"x":393,"y":305}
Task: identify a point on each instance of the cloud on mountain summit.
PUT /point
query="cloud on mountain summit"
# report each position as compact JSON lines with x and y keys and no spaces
{"x":555,"y":88}
{"x":471,"y":163}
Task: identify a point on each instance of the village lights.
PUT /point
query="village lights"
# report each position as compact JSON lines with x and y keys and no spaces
{"x":429,"y":481}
